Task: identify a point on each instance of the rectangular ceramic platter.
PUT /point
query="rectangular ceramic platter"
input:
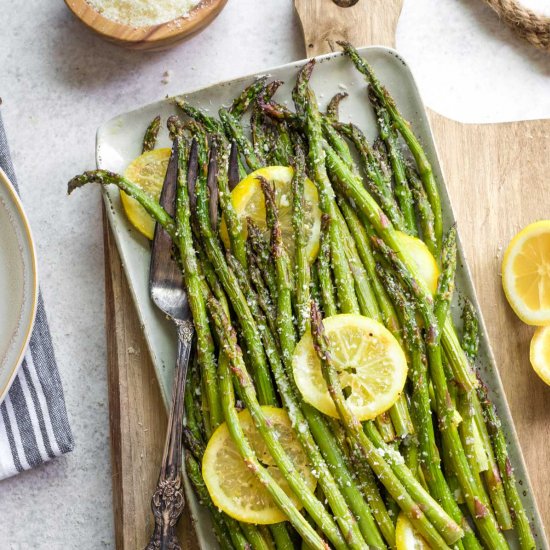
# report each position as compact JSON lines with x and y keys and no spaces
{"x":119,"y":141}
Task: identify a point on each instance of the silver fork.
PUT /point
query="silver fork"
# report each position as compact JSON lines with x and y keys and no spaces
{"x":167,"y":292}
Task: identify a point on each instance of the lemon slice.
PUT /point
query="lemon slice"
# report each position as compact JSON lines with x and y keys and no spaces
{"x":248,"y":201}
{"x":418,"y":254}
{"x":406,"y":538}
{"x":540,"y":353}
{"x":526,"y":273}
{"x":369,"y":360}
{"x":233,"y":486}
{"x":146,"y":171}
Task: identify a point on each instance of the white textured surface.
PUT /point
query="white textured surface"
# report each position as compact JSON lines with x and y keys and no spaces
{"x":59,"y":82}
{"x":471,"y":67}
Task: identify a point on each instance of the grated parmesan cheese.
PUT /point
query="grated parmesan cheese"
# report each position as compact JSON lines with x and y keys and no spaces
{"x":143,"y":13}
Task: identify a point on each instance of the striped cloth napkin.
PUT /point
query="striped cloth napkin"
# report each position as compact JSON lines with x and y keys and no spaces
{"x":34,"y":426}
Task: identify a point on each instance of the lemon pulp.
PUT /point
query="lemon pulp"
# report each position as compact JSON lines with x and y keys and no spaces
{"x":369,"y":360}
{"x":526,"y":273}
{"x":146,"y":171}
{"x":540,"y":353}
{"x":233,"y":486}
{"x":248,"y":201}
{"x":419,"y":255}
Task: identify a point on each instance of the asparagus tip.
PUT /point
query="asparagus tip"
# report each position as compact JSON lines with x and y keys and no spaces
{"x":91,"y":176}
{"x":344,"y":44}
{"x":317,"y":329}
{"x":77,"y":181}
{"x":174,"y":125}
{"x":334,"y":105}
{"x":304,"y":74}
{"x":271,"y":88}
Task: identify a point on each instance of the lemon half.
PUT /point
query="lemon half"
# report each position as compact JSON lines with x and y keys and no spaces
{"x":248,"y":201}
{"x":540,"y":353}
{"x":369,"y":360}
{"x":147,"y":171}
{"x":233,"y":486}
{"x":526,"y":273}
{"x":420,"y":256}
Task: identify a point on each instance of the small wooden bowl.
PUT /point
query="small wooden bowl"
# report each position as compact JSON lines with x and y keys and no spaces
{"x":153,"y":38}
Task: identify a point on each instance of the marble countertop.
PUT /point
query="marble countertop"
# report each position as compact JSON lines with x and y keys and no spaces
{"x":58,"y":83}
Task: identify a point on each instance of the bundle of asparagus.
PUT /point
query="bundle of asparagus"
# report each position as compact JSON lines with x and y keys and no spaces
{"x":437,"y":457}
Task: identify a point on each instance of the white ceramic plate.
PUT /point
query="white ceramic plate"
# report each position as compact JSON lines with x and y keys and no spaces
{"x":119,"y":141}
{"x":18,"y":283}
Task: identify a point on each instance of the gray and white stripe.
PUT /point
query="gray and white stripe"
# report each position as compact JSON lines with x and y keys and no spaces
{"x":34,"y":426}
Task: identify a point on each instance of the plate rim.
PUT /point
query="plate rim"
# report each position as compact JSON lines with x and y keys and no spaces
{"x":29,"y":243}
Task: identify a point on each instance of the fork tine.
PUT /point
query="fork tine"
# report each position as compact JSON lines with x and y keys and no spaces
{"x":233,"y":171}
{"x":162,"y":266}
{"x":211,"y":182}
{"x":168,"y":193}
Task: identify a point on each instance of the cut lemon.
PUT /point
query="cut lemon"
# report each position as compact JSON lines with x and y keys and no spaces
{"x":146,"y":171}
{"x":248,"y":201}
{"x":526,"y":273}
{"x":540,"y":353}
{"x":369,"y":360}
{"x":419,"y":255}
{"x":233,"y":486}
{"x":406,"y":538}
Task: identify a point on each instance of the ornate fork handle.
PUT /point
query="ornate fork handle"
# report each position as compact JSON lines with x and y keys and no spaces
{"x":168,"y":501}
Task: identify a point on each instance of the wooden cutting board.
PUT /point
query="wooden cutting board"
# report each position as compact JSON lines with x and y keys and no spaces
{"x":497,"y":177}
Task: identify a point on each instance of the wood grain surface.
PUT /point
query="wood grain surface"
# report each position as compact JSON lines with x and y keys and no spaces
{"x":497,"y":177}
{"x":136,"y":413}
